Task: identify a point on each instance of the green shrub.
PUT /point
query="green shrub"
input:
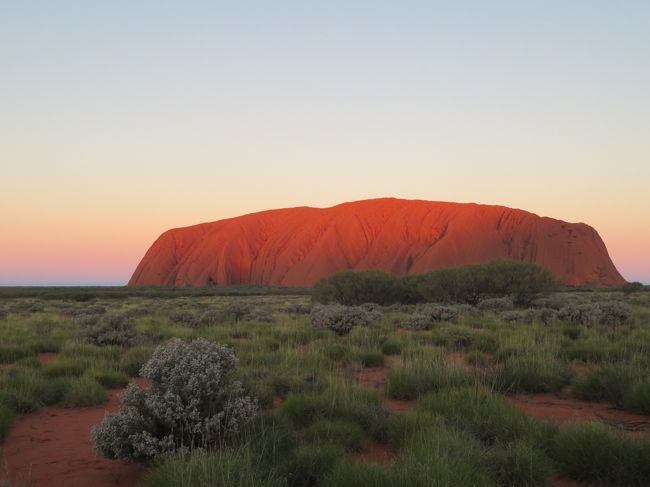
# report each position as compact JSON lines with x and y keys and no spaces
{"x":532,"y":373}
{"x":6,"y":418}
{"x":469,"y":283}
{"x":608,"y":383}
{"x":518,"y":463}
{"x":308,"y":464}
{"x":464,"y":338}
{"x":347,"y":473}
{"x":226,"y":468}
{"x":32,"y":362}
{"x":20,"y":401}
{"x":462,"y":284}
{"x":335,"y":351}
{"x":592,"y":451}
{"x":12,"y":353}
{"x":110,"y":379}
{"x":338,"y":401}
{"x":66,"y":367}
{"x":572,"y":332}
{"x":26,"y":389}
{"x":410,"y":382}
{"x":632,"y":287}
{"x":52,"y":391}
{"x":477,"y":358}
{"x":340,"y":432}
{"x":369,"y":358}
{"x":637,"y":399}
{"x":83,"y":392}
{"x":303,"y":409}
{"x":391,"y":347}
{"x":355,"y":288}
{"x":439,"y":454}
{"x":593,"y":350}
{"x":133,"y":360}
{"x":488,"y":416}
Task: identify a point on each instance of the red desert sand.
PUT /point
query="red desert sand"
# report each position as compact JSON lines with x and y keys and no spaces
{"x":52,"y":448}
{"x":298,"y":246}
{"x":561,"y":409}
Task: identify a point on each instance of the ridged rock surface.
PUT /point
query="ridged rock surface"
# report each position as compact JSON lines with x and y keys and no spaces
{"x":298,"y":246}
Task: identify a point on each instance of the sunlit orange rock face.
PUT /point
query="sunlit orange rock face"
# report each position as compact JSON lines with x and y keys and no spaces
{"x":298,"y":246}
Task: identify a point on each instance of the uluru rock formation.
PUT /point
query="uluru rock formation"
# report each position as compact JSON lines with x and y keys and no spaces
{"x":298,"y":246}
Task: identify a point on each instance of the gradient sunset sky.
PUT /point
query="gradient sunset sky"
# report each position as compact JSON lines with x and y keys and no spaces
{"x":121,"y":119}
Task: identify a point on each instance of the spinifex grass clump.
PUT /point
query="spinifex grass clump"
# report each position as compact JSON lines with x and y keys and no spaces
{"x":192,"y":402}
{"x":531,"y":373}
{"x":488,"y":416}
{"x":6,"y":418}
{"x":608,"y":383}
{"x":591,"y":451}
{"x":424,"y":375}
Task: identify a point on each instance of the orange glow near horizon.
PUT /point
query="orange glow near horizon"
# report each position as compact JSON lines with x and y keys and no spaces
{"x":114,"y":129}
{"x":85,"y":251}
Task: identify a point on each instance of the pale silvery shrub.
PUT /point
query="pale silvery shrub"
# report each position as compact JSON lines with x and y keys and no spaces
{"x":341,"y":319}
{"x":192,"y":402}
{"x":496,"y":304}
{"x":297,"y":308}
{"x":609,"y":313}
{"x":438,"y":313}
{"x":183,"y":318}
{"x":111,"y":329}
{"x":417,"y":321}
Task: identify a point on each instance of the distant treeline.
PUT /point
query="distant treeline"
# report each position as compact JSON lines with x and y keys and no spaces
{"x":82,"y":293}
{"x":463,"y":284}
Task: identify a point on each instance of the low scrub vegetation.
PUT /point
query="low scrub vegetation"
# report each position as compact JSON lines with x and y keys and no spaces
{"x":341,"y":319}
{"x":192,"y":402}
{"x":518,"y":281}
{"x":272,"y":390}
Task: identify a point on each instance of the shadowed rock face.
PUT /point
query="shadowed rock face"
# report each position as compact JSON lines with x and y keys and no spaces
{"x":298,"y":246}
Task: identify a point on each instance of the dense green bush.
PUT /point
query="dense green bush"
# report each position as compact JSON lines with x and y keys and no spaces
{"x":355,"y":288}
{"x":464,"y":284}
{"x":632,"y":287}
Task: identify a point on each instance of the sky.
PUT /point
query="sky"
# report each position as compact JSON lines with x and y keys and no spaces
{"x":121,"y":119}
